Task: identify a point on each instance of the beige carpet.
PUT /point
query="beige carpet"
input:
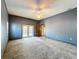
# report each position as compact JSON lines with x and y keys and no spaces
{"x":39,"y":48}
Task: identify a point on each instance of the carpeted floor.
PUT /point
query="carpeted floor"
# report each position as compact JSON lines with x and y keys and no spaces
{"x":39,"y":48}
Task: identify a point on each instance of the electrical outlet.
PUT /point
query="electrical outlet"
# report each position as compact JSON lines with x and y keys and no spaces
{"x":70,"y":38}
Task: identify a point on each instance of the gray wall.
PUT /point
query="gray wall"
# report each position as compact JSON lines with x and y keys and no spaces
{"x":62,"y":27}
{"x":4,"y":26}
{"x":16,"y":23}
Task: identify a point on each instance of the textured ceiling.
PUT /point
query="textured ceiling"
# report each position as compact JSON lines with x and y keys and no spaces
{"x":31,"y":8}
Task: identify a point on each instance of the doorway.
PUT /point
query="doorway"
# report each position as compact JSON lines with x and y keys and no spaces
{"x":28,"y":31}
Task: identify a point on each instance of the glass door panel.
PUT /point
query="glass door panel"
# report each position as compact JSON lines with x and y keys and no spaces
{"x":31,"y":30}
{"x":28,"y":30}
{"x":25,"y":30}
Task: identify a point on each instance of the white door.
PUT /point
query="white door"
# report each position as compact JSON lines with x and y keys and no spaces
{"x":25,"y":31}
{"x":28,"y":30}
{"x":31,"y":30}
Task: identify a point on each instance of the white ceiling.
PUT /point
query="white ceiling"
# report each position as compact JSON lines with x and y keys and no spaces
{"x":28,"y":8}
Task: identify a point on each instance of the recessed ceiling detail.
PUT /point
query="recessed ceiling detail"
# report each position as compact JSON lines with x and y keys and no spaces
{"x":39,"y":9}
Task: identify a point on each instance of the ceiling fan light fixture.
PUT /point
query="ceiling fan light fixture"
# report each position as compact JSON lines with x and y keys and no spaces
{"x":38,"y":14}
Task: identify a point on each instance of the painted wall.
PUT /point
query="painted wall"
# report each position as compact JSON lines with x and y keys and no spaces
{"x":62,"y":27}
{"x":16,"y":23}
{"x":4,"y":27}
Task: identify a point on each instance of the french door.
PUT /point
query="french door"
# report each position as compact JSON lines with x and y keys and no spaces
{"x":28,"y":30}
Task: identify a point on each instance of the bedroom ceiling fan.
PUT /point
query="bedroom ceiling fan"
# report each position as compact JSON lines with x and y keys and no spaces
{"x":39,"y":13}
